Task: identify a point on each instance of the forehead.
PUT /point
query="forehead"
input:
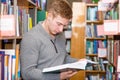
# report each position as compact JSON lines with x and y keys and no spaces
{"x":62,"y":20}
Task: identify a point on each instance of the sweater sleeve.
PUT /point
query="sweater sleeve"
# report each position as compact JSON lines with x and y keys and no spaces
{"x":69,"y":59}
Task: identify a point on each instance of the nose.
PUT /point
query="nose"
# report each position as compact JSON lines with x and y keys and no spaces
{"x":61,"y":28}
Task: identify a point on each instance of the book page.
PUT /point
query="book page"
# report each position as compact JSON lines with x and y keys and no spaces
{"x":79,"y":65}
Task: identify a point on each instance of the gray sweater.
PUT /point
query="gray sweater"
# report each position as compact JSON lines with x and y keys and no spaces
{"x":38,"y":50}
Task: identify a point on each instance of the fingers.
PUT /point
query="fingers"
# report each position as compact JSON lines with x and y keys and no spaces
{"x":71,"y":73}
{"x":67,"y":74}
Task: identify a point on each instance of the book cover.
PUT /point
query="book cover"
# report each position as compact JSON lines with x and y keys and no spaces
{"x":68,"y":34}
{"x":17,"y":62}
{"x":88,"y":31}
{"x":43,"y":4}
{"x":111,"y":27}
{"x":100,"y":30}
{"x":10,"y":53}
{"x":95,"y":1}
{"x":95,"y":46}
{"x":102,"y":6}
{"x":6,"y":59}
{"x":7,"y":25}
{"x":118,"y":65}
{"x":93,"y":15}
{"x":32,"y":15}
{"x":102,"y":52}
{"x":41,"y":15}
{"x":13,"y":66}
{"x":108,"y":1}
{"x":2,"y":65}
{"x":79,"y":65}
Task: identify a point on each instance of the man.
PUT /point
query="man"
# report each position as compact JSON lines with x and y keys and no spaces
{"x":44,"y":45}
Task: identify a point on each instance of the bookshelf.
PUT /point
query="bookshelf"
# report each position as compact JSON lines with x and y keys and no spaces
{"x":9,"y":44}
{"x":68,"y":34}
{"x":86,"y":43}
{"x":78,"y":40}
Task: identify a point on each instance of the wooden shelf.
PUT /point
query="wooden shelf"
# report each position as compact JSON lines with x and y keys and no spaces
{"x":31,"y":2}
{"x":10,"y":38}
{"x":91,"y":5}
{"x":95,"y":71}
{"x":32,"y":5}
{"x":92,"y":55}
{"x":91,"y":38}
{"x":95,"y":22}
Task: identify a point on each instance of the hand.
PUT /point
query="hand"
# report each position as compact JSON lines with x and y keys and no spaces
{"x":67,"y":74}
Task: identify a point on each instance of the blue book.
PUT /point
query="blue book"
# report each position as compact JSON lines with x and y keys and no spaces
{"x":95,"y":47}
{"x":88,"y":31}
{"x":3,"y":1}
{"x":87,"y":46}
{"x":2,"y":54}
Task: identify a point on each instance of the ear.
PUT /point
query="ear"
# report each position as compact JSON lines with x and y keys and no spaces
{"x":49,"y":16}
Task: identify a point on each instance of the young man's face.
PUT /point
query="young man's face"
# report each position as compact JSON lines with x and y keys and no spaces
{"x":57,"y":24}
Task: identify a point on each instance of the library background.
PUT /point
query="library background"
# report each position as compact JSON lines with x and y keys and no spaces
{"x":93,"y":34}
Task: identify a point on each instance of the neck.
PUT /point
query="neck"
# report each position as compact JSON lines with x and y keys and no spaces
{"x":46,"y":27}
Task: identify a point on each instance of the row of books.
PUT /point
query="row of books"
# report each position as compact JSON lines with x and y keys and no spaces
{"x":111,"y":55}
{"x":41,"y":3}
{"x":9,"y":64}
{"x":8,"y":27}
{"x":6,"y":7}
{"x":92,"y":13}
{"x":102,"y":66}
{"x":108,"y":49}
{"x":111,"y":21}
{"x":93,"y":67}
{"x":21,"y":22}
{"x":113,"y":14}
{"x":95,"y":77}
{"x":109,"y":27}
{"x":100,"y":77}
{"x":92,"y":31}
{"x":92,"y":46}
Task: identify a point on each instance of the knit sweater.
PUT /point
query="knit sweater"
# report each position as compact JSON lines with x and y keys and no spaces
{"x":39,"y":50}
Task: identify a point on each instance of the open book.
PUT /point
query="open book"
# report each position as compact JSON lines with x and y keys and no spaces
{"x":79,"y":65}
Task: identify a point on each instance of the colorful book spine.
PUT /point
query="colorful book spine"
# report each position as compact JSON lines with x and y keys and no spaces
{"x":2,"y":54}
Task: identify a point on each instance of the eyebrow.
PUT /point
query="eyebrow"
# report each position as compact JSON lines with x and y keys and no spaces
{"x":62,"y":24}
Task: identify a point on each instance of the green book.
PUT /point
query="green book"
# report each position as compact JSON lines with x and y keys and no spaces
{"x":95,"y":1}
{"x":41,"y":15}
